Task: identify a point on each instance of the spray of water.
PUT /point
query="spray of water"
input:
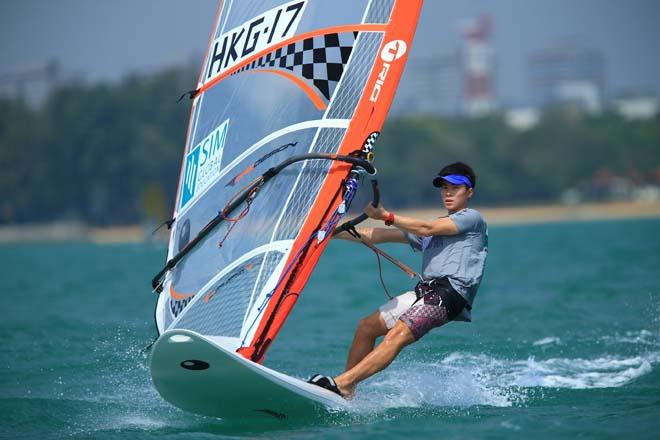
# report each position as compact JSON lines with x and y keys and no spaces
{"x":465,"y":379}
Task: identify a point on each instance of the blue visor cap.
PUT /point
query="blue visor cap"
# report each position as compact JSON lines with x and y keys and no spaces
{"x":455,"y":179}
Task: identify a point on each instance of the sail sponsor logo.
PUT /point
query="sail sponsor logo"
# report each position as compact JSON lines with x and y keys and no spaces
{"x":391,"y":52}
{"x":241,"y":42}
{"x":203,"y":164}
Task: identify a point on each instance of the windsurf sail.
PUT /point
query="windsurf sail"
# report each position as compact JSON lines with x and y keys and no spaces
{"x":287,"y":108}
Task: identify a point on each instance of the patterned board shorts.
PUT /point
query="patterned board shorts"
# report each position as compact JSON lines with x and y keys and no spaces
{"x":420,"y":316}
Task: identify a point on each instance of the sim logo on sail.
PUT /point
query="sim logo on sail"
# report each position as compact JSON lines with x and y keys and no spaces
{"x":203,"y":164}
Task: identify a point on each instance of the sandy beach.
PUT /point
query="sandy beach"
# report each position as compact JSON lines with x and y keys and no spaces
{"x":504,"y":215}
{"x":511,"y":215}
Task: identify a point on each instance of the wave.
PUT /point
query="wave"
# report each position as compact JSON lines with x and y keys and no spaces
{"x":430,"y":384}
{"x":641,"y":337}
{"x":572,"y":373}
{"x":547,"y":341}
{"x":463,"y":379}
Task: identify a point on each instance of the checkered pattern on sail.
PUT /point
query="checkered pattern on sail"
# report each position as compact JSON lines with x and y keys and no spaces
{"x":319,"y":59}
{"x":329,"y":139}
{"x":345,"y":101}
{"x":177,"y":306}
{"x":370,"y":142}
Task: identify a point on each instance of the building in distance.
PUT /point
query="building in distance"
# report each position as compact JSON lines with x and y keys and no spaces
{"x":567,"y":74}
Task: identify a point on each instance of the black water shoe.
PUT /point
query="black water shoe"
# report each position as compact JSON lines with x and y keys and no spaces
{"x":326,"y":382}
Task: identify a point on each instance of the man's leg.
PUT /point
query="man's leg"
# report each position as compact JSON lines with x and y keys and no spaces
{"x":378,"y":359}
{"x":368,"y":330}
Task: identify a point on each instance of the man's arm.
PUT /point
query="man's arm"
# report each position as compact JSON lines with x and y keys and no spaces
{"x":422,"y":228}
{"x":376,"y":235}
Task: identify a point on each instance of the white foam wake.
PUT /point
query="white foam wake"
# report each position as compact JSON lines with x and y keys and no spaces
{"x":640,"y":338}
{"x":547,"y":341}
{"x":573,"y":373}
{"x":468,"y":379}
{"x":419,"y":384}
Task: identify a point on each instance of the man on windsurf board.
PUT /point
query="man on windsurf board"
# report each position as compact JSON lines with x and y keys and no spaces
{"x":454,"y":250}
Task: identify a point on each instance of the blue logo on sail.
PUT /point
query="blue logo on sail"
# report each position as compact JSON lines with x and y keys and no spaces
{"x":203,"y":164}
{"x":190,"y":177}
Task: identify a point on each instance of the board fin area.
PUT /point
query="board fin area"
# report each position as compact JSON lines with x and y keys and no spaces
{"x":197,"y":374}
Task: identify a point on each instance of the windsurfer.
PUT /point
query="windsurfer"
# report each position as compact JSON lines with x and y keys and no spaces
{"x":454,"y":250}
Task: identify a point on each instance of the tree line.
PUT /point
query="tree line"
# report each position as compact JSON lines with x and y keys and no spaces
{"x":110,"y":153}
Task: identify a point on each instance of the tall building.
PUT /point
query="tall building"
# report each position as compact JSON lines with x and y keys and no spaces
{"x":461,"y":81}
{"x":567,"y":74}
{"x":478,"y":67}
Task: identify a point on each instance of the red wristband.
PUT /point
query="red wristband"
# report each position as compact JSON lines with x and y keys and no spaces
{"x":389,"y":220}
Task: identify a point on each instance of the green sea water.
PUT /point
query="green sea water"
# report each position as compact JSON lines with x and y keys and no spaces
{"x":565,"y":343}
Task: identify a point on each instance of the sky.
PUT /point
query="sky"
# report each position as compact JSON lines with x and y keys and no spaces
{"x":106,"y":40}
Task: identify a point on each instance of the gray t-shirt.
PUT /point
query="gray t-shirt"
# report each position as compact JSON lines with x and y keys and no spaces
{"x":461,"y":257}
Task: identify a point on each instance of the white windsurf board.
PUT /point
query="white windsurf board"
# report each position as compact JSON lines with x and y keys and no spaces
{"x":199,"y":375}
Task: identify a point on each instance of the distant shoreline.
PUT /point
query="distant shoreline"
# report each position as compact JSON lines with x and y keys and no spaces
{"x":534,"y":214}
{"x":495,"y":216}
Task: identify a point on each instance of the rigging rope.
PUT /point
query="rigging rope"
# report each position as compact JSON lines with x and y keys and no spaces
{"x":380,"y":253}
{"x":234,"y":221}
